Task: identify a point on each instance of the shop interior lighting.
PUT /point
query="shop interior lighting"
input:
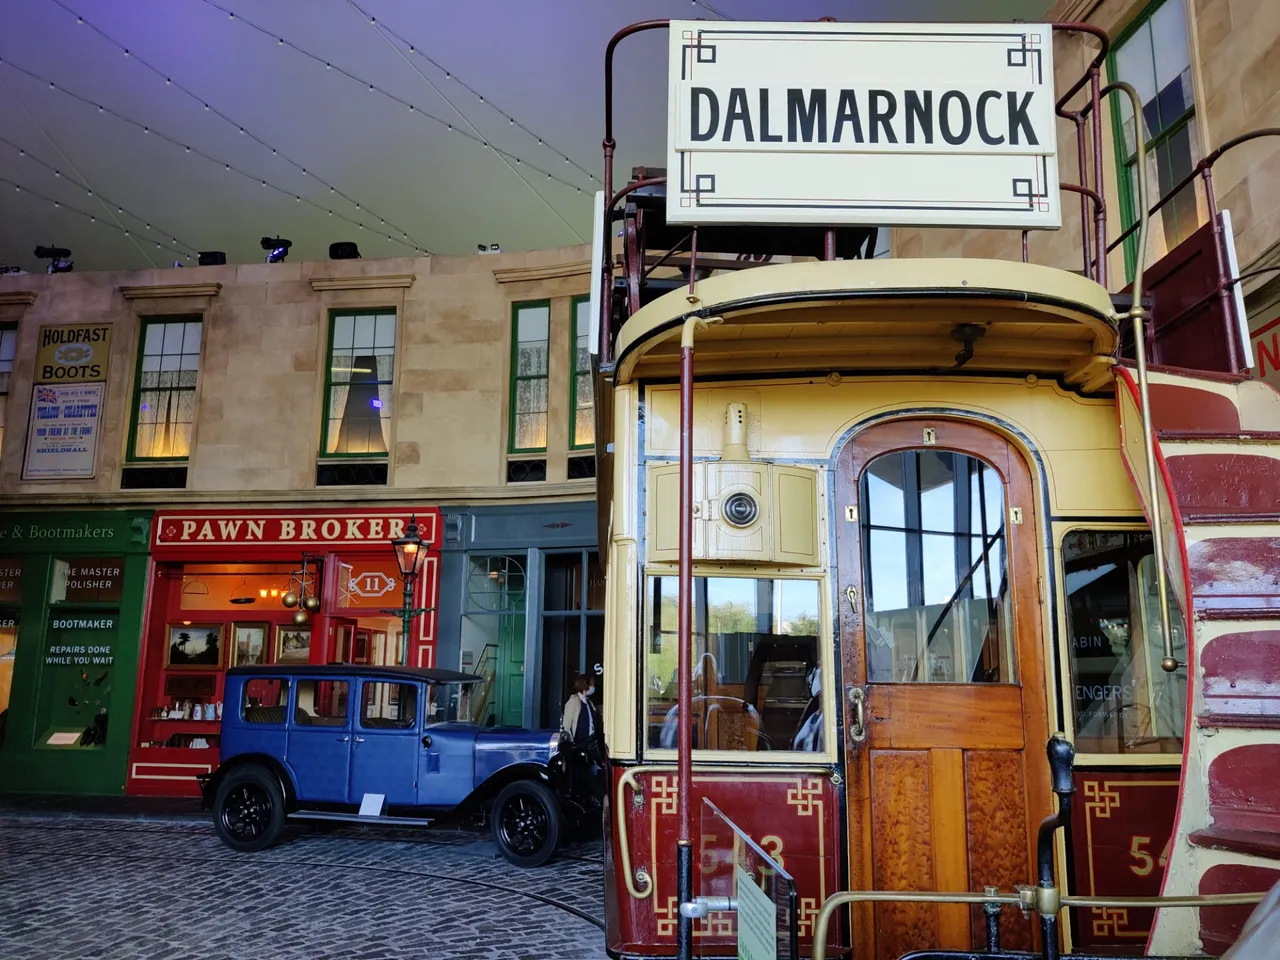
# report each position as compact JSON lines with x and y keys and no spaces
{"x":195,"y":588}
{"x":243,"y":595}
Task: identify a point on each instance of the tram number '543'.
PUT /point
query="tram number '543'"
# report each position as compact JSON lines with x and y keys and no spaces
{"x":1144,"y":864}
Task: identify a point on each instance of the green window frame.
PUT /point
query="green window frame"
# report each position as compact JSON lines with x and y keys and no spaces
{"x":8,"y":350}
{"x":164,"y":389}
{"x":530,"y":376}
{"x":1171,"y":129}
{"x":359,"y":384}
{"x":582,"y":424}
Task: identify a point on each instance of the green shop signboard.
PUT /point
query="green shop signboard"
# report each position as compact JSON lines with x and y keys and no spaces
{"x":72,"y":584}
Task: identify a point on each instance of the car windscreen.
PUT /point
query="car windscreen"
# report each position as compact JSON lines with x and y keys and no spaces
{"x":449,"y":702}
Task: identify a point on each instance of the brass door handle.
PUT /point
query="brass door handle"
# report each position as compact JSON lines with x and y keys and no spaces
{"x":858,"y":700}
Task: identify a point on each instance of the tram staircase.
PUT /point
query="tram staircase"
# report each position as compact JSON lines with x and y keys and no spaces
{"x":1218,"y":457}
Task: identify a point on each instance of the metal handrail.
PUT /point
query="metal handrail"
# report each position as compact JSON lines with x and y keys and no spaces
{"x":1029,"y":898}
{"x":1136,"y":314}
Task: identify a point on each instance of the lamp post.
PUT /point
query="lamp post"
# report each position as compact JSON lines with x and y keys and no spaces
{"x":410,"y":556}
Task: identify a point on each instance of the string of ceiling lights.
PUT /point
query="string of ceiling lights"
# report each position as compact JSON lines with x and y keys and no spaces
{"x":59,"y":205}
{"x":375,"y":88}
{"x":385,"y":36}
{"x":187,"y":250}
{"x":448,"y":75}
{"x":275,"y":152}
{"x":403,"y":240}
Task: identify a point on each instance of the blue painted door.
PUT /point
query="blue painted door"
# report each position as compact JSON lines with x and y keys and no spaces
{"x":385,"y":742}
{"x":319,"y":746}
{"x":446,"y":764}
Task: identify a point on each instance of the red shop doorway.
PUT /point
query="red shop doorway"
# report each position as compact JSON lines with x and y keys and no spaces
{"x":218,"y":586}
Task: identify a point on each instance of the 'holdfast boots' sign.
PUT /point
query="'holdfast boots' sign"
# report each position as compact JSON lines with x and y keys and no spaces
{"x":922,"y":124}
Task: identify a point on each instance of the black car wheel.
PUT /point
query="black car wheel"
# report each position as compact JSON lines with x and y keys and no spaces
{"x":526,"y":823}
{"x":248,"y":811}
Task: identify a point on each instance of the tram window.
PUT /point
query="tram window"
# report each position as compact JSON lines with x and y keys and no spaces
{"x":756,"y":664}
{"x":936,"y":565}
{"x":1124,"y":701}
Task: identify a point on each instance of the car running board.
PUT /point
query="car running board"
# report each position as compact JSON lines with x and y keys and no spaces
{"x":361,"y":818}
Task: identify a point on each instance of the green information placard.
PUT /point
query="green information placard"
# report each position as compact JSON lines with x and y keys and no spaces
{"x":757,"y":920}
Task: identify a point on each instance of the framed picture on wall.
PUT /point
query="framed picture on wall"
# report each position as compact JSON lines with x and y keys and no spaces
{"x":248,"y":645}
{"x":194,"y":646}
{"x":293,"y":644}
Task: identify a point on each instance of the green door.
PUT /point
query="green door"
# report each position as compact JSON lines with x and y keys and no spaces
{"x":494,"y":631}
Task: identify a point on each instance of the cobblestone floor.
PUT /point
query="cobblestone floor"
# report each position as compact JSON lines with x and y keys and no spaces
{"x":132,"y":889}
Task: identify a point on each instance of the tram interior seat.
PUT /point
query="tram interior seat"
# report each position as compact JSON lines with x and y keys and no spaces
{"x":783,"y":699}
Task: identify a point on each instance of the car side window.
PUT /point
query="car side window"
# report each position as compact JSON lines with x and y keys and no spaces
{"x":264,"y":700}
{"x":388,"y":706}
{"x":321,"y":703}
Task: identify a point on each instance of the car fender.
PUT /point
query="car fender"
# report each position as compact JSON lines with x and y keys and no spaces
{"x":209,"y":782}
{"x":486,"y":791}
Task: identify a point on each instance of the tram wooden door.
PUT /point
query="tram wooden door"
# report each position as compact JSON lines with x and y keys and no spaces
{"x":943,"y":670}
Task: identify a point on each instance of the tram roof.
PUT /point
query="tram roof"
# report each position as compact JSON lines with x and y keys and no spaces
{"x":881,"y":315}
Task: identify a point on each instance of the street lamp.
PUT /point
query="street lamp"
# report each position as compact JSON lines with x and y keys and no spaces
{"x":410,"y":556}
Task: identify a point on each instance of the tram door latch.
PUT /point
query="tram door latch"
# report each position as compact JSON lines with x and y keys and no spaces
{"x":858,"y":701}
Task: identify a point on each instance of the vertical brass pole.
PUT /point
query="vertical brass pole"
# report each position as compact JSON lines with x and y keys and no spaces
{"x":1169,"y":662}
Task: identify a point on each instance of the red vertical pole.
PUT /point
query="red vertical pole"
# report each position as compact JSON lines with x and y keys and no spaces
{"x":684,"y":711}
{"x":1082,"y":163}
{"x":606,"y":278}
{"x":1100,"y":240}
{"x":829,"y":245}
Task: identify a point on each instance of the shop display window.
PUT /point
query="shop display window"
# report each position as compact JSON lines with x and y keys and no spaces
{"x":10,"y":598}
{"x":73,"y":700}
{"x":210,"y":617}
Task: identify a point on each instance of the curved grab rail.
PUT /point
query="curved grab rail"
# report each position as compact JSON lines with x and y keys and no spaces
{"x":624,"y":848}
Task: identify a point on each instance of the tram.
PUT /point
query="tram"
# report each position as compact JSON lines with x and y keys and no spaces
{"x":876,"y":529}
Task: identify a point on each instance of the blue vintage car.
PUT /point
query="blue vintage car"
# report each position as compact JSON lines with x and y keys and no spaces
{"x":388,"y":745}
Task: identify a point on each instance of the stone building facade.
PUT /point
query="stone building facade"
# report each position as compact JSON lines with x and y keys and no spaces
{"x":1208,"y":71}
{"x":231,"y":433}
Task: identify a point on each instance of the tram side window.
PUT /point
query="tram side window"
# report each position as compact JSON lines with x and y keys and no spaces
{"x":1124,"y":701}
{"x":757,"y":664}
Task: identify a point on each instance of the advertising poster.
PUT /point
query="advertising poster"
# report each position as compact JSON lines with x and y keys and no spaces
{"x":62,"y":442}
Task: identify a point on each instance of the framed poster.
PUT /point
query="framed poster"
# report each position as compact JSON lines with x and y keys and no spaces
{"x":62,"y":437}
{"x":194,"y":646}
{"x":293,"y":644}
{"x":248,"y":645}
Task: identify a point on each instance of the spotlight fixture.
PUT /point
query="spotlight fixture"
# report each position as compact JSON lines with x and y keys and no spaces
{"x":277,"y":248}
{"x":344,"y":250}
{"x":488,"y":248}
{"x":59,"y":259}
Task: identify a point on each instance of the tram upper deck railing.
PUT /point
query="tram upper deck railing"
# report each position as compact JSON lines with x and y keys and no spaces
{"x":649,"y":243}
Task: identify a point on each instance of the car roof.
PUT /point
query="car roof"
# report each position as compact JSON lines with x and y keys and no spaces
{"x":318,"y":670}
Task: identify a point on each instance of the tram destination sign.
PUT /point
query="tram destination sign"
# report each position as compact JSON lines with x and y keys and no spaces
{"x":853,"y":123}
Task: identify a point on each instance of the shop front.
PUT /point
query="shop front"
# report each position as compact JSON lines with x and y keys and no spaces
{"x":235,"y":587}
{"x":71,"y":606}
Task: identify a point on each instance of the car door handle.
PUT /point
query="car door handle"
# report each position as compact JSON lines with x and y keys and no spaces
{"x":426,"y":739}
{"x":343,"y":739}
{"x":358,"y":739}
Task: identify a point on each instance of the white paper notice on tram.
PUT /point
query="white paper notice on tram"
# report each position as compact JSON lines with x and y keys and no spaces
{"x":854,"y":123}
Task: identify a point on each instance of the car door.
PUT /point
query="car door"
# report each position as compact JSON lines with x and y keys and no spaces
{"x":446,"y":761}
{"x":384,"y":742}
{"x":318,"y":754}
